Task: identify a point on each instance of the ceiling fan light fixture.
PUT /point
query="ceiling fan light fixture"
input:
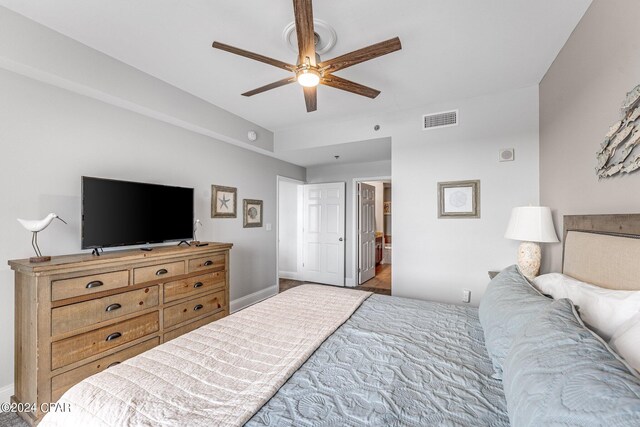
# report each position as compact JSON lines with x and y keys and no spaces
{"x":309,"y":70}
{"x":308,"y":77}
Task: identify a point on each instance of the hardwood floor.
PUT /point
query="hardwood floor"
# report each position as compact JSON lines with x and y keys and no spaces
{"x":286,"y":284}
{"x":381,"y":284}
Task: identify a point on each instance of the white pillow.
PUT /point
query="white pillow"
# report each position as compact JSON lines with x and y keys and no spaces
{"x":604,"y":310}
{"x":626,"y":341}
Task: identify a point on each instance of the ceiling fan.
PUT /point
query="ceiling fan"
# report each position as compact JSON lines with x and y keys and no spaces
{"x":309,"y":70}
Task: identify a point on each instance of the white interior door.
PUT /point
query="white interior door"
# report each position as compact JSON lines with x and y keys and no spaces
{"x":366,"y":232}
{"x":323,"y":234}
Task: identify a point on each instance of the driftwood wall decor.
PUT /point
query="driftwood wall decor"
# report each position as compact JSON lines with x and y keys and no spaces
{"x":615,"y":156}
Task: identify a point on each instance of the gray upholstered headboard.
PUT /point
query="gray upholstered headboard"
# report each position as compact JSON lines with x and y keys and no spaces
{"x":603,"y":250}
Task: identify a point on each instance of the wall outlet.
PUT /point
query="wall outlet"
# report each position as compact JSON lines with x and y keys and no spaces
{"x":268,"y":227}
{"x":466,"y":295}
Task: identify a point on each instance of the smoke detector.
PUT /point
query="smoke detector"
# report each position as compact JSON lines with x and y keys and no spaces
{"x":325,"y":36}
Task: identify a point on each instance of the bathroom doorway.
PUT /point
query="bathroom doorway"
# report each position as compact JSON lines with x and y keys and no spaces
{"x":373,"y":242}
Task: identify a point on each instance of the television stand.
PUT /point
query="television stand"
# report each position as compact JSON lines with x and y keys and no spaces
{"x":170,"y":281}
{"x":184,"y":242}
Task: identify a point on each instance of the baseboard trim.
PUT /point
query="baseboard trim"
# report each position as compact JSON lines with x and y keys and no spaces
{"x":290,"y":275}
{"x":350,"y":282}
{"x":256,"y":297}
{"x":5,"y":393}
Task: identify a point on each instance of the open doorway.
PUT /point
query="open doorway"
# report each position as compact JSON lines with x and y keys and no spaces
{"x":373,"y":234}
{"x":311,"y":233}
{"x":289,"y":228}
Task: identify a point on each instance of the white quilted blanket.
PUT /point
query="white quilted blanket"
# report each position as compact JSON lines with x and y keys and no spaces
{"x":218,"y":375}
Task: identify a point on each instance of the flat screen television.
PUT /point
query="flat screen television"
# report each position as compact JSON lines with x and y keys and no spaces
{"x":122,"y":213}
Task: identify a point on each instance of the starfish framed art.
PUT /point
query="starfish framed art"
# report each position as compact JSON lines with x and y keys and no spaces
{"x":224,"y":202}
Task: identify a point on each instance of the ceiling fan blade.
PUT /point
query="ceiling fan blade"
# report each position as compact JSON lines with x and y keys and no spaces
{"x":361,"y":55}
{"x":254,"y":56}
{"x":311,"y":98}
{"x":303,"y":11}
{"x":270,"y":86}
{"x":349,"y":86}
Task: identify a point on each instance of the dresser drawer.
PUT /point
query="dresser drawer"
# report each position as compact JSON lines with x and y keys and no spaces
{"x":70,"y":350}
{"x":193,"y":308}
{"x":65,"y":381}
{"x":193,"y":326}
{"x":159,"y":271}
{"x":193,"y":285}
{"x":212,"y":262}
{"x":76,"y":316}
{"x":86,"y":285}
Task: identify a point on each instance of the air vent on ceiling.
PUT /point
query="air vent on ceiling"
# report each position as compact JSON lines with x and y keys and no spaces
{"x":440,"y":120}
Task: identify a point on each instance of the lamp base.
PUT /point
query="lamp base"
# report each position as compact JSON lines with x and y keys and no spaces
{"x":529,"y":256}
{"x":37,"y":259}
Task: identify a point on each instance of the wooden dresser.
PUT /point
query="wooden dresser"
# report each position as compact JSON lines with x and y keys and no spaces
{"x":77,"y":315}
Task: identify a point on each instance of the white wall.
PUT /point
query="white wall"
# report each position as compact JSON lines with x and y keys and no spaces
{"x":435,"y":258}
{"x":347,"y":173}
{"x":289,"y":230}
{"x":50,"y":137}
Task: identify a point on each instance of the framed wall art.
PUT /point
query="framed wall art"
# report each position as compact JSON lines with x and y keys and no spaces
{"x":224,"y":202}
{"x":459,"y":199}
{"x":252,"y":213}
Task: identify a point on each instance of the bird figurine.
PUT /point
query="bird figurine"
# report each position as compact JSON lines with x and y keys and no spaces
{"x":35,"y":226}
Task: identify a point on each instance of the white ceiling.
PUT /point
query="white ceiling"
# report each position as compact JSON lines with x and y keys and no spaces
{"x":372,"y":150}
{"x":452,"y":49}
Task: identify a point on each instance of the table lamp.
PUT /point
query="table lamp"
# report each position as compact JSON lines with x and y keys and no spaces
{"x":531,"y":225}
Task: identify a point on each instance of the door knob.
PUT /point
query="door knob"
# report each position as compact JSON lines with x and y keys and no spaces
{"x":340,"y":239}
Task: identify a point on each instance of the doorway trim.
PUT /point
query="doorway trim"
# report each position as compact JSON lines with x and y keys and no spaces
{"x":353,"y":282}
{"x":280,"y":178}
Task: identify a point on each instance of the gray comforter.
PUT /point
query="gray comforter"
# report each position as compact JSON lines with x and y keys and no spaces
{"x":394,"y":362}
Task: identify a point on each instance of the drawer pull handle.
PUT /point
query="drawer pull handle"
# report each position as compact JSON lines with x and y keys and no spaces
{"x":208,"y":263}
{"x":198,"y":285}
{"x":161,"y":272}
{"x":113,"y":307}
{"x":94,"y":284}
{"x":113,"y":364}
{"x":113,"y":336}
{"x":198,"y":307}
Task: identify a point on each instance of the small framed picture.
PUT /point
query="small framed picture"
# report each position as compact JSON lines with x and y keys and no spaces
{"x":224,"y":202}
{"x":252,"y":213}
{"x":459,"y":199}
{"x":387,"y":208}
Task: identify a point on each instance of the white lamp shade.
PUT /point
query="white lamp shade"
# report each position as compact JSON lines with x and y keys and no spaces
{"x":531,"y":224}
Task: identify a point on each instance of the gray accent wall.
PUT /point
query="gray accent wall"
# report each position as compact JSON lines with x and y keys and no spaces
{"x":40,"y":53}
{"x":580,"y":98}
{"x":50,"y":137}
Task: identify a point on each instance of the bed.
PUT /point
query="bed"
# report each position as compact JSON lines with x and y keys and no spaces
{"x":359,"y":359}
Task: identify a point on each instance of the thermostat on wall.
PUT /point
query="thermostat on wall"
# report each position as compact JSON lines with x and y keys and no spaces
{"x":506,"y":155}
